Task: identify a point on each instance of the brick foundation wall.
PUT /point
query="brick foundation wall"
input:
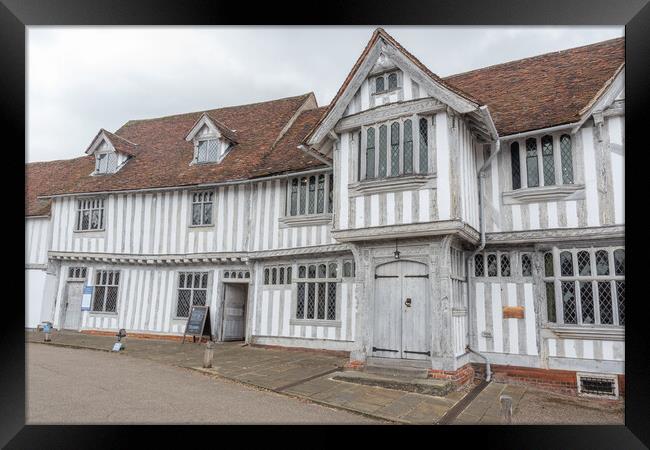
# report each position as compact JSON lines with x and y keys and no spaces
{"x":459,"y":377}
{"x":562,"y":381}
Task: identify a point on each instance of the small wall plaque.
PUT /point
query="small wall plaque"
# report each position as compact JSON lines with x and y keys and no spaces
{"x":513,"y":312}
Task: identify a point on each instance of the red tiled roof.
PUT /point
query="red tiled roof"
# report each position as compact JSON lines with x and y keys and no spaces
{"x":163,"y":156}
{"x":545,"y":90}
{"x":43,"y":177}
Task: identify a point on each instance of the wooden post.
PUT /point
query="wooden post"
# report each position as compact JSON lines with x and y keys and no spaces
{"x":208,"y":354}
{"x":506,"y":408}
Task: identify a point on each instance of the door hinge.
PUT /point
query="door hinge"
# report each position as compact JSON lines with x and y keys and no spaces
{"x":385,"y":276}
{"x":375,"y":349}
{"x":416,"y":276}
{"x":418,"y":353}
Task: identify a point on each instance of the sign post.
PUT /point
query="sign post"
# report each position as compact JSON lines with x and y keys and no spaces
{"x":198,"y":324}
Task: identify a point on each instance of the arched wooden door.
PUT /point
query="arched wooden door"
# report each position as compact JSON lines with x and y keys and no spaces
{"x":402,"y":311}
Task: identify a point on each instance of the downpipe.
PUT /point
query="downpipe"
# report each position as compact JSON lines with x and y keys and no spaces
{"x":481,"y":218}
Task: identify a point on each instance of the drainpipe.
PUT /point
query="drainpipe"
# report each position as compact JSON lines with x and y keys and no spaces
{"x":481,"y":218}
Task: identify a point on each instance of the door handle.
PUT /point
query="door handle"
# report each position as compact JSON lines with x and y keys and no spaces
{"x":408,"y":302}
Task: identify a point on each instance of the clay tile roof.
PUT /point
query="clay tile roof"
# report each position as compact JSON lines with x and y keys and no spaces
{"x":285,"y":155}
{"x":545,"y":90}
{"x":43,"y":177}
{"x":225,"y":131}
{"x":121,"y":145}
{"x":163,"y":155}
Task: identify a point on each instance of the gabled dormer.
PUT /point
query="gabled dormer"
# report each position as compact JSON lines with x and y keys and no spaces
{"x":212,"y":140}
{"x":111,"y":152}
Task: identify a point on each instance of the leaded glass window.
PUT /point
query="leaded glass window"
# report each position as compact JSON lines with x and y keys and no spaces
{"x":584,"y":263}
{"x":514,"y":163}
{"x":602,"y":262}
{"x":370,"y":152}
{"x":569,"y":301}
{"x":619,"y":262}
{"x":309,"y":195}
{"x":192,"y":291}
{"x":526,"y":265}
{"x":90,"y":214}
{"x":479,"y":269}
{"x":548,"y":164}
{"x":105,"y":291}
{"x":202,"y":208}
{"x":394,"y":149}
{"x":316,"y":293}
{"x":548,"y":264}
{"x":383,"y":143}
{"x":207,"y":151}
{"x":379,"y":84}
{"x":566,"y":264}
{"x":566,"y":159}
{"x":424,"y":146}
{"x":392,"y":81}
{"x":408,"y":146}
{"x":550,"y":302}
{"x":505,"y":265}
{"x":589,"y":297}
{"x":492,"y":265}
{"x":532,"y":169}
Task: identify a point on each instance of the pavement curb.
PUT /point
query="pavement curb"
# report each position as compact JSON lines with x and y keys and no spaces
{"x":79,"y":347}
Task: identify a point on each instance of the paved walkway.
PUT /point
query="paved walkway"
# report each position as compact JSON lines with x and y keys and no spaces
{"x":302,"y":374}
{"x":308,"y":375}
{"x":80,"y":387}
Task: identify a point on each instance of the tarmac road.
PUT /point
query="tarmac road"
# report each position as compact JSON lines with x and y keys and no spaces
{"x":72,"y":386}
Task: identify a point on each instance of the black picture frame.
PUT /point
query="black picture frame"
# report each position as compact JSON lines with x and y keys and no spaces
{"x":15,"y":15}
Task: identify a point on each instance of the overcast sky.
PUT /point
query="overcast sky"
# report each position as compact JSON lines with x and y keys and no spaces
{"x":81,"y":79}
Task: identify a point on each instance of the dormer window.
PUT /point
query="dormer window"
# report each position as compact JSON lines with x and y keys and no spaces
{"x":207,"y":151}
{"x":105,"y":163}
{"x":212,"y":140}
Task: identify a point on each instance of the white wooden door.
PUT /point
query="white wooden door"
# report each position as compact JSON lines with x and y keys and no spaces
{"x":72,"y":319}
{"x":234,"y":313}
{"x":401,"y":311}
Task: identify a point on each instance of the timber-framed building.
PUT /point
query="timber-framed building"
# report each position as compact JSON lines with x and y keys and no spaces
{"x":415,"y":220}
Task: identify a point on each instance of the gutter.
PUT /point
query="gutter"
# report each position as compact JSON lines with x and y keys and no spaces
{"x":566,"y":126}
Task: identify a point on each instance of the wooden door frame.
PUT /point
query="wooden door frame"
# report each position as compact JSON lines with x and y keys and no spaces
{"x":65,"y":307}
{"x":246,"y":283}
{"x":382,"y":261}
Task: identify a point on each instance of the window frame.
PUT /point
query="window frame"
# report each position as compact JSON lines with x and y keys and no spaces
{"x":558,"y":167}
{"x":337,"y":280}
{"x":98,"y":275}
{"x":88,"y":203}
{"x":373,"y":174}
{"x":192,"y":195}
{"x":208,"y":293}
{"x":328,"y":195}
{"x":111,"y":162}
{"x":594,"y":279}
{"x":197,"y":146}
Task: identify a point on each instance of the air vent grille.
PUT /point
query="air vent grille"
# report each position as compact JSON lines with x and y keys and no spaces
{"x":595,"y":385}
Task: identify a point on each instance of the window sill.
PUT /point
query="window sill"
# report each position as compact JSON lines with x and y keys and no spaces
{"x":102,"y":313}
{"x":316,"y":323}
{"x":90,"y":233}
{"x":199,"y":227}
{"x":304,"y":220}
{"x":392,"y":184}
{"x":544,"y":194}
{"x":387,"y":91}
{"x":612,"y":333}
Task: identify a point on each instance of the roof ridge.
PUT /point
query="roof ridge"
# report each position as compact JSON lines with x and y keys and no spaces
{"x":56,"y":160}
{"x":527,"y":58}
{"x":215,"y":109}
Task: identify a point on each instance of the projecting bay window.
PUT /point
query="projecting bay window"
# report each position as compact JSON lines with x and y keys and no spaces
{"x":317,"y":292}
{"x":90,"y":214}
{"x":585,"y":286}
{"x":105,"y":291}
{"x":542,"y":161}
{"x":192,"y":291}
{"x":395,"y":148}
{"x":310,"y":195}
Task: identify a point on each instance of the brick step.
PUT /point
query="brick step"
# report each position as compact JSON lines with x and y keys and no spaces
{"x":396,"y":371}
{"x":438,"y":388}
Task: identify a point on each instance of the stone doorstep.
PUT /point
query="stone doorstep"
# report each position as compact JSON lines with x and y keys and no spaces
{"x":428,"y":386}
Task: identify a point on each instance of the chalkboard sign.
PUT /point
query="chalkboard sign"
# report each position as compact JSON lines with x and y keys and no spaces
{"x":198,"y":324}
